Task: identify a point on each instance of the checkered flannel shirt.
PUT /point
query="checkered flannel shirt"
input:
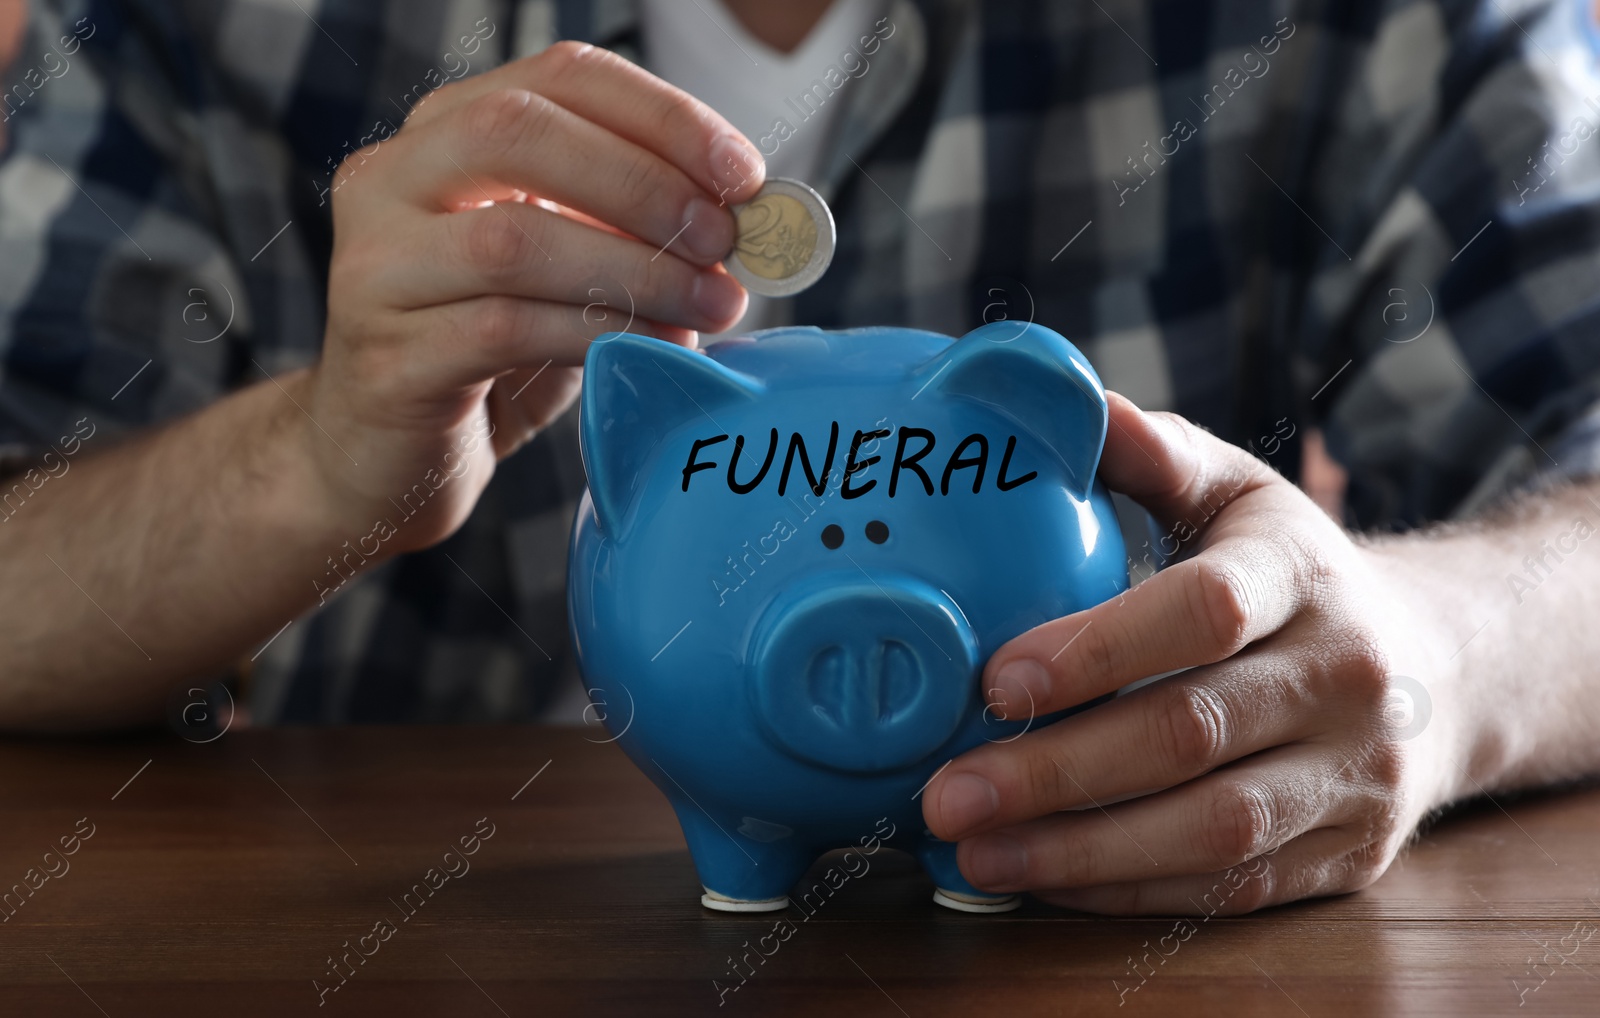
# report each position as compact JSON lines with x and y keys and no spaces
{"x":1374,"y":218}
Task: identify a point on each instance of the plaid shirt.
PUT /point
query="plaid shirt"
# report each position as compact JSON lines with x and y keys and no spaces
{"x":1380,"y":219}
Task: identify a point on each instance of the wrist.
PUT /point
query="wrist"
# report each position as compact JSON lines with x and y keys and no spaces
{"x":390,"y":486}
{"x":1436,"y":602}
{"x":311,"y":493}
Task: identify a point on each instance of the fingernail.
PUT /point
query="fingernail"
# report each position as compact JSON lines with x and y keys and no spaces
{"x":1022,"y":689}
{"x":996,"y":861}
{"x":734,"y":165}
{"x":717,"y":296}
{"x":965,"y":801}
{"x":707,"y":230}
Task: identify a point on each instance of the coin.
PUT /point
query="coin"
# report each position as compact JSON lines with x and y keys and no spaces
{"x":786,"y":239}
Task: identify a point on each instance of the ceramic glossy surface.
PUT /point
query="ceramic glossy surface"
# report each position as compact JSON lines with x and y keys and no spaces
{"x":797,"y":552}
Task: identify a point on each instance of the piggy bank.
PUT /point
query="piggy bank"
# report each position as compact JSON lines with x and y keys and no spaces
{"x":795,"y":555}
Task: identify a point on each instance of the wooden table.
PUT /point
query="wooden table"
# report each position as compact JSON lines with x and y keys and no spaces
{"x":220,"y":878}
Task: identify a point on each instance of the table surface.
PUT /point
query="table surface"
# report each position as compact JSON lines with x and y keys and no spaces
{"x":219,"y":878}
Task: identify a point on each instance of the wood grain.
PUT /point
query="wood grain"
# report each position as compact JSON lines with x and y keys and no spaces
{"x":223,"y":877}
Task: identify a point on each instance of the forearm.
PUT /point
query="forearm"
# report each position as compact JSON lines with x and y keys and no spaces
{"x":159,"y":560}
{"x":1510,"y":607}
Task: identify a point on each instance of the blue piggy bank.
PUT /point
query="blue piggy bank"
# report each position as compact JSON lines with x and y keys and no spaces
{"x":796,"y":554}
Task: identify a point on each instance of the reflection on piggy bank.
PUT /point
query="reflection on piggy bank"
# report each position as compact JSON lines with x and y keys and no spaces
{"x":796,"y":554}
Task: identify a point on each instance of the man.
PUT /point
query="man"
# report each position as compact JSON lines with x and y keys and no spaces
{"x":265,"y":268}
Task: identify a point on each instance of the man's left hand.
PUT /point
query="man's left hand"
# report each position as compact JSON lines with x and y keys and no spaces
{"x":1279,"y":739}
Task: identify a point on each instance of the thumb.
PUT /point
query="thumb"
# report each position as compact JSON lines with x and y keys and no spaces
{"x":1172,"y":467}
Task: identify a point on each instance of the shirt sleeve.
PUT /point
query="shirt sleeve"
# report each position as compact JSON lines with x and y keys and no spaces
{"x":122,"y":300}
{"x":1454,"y":338}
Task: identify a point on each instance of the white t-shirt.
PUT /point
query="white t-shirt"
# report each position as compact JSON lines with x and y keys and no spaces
{"x":699,"y":46}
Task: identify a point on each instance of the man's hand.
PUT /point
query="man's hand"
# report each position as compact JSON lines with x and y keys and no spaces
{"x":478,"y":253}
{"x":458,"y":308}
{"x":1279,"y":738}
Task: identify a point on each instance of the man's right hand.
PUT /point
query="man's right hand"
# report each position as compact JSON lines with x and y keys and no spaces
{"x":479,"y":251}
{"x":456,"y":308}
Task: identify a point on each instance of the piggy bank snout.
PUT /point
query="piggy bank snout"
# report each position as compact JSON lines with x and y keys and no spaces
{"x":863,"y":674}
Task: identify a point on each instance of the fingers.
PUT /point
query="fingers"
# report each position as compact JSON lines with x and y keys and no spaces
{"x":1330,"y":860}
{"x":626,"y":100}
{"x":1196,"y":612}
{"x":524,"y":401}
{"x":1237,"y":591}
{"x":629,"y":101}
{"x":1224,"y":819}
{"x":471,"y":340}
{"x":1156,"y":737}
{"x":515,"y":140}
{"x":527,"y":399}
{"x":519,"y":250}
{"x":1174,"y":469}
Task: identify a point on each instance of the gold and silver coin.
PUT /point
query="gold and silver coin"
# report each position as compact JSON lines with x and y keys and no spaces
{"x":786,"y":237}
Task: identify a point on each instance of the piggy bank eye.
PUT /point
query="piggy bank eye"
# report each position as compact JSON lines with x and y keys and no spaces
{"x":877,"y":531}
{"x":832,"y":535}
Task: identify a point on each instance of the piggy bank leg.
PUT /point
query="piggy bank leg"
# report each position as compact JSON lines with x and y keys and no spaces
{"x":951,"y":889}
{"x":739,"y":873}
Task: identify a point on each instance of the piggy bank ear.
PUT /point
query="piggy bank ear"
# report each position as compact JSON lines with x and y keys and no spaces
{"x":635,"y":391}
{"x":1036,"y":378}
